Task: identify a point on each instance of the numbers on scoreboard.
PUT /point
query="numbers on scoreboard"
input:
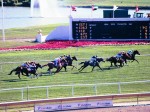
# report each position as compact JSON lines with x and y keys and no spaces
{"x":81,"y":31}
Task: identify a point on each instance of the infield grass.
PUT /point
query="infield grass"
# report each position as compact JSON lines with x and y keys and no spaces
{"x":108,"y":2}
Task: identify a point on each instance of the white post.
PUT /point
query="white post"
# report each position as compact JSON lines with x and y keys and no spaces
{"x":70,"y":28}
{"x":3,"y":30}
{"x":113,"y":13}
{"x":47,"y":93}
{"x":72,"y":90}
{"x":95,"y":89}
{"x":22,"y":93}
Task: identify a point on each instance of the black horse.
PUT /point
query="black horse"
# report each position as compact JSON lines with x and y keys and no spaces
{"x":52,"y":65}
{"x":127,"y":56}
{"x":88,"y":63}
{"x":114,"y":60}
{"x":25,"y":70}
{"x":69,"y":62}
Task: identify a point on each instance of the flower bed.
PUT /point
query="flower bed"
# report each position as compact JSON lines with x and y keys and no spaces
{"x":66,"y":44}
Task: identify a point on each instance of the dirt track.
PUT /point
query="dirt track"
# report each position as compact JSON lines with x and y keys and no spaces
{"x":145,"y":108}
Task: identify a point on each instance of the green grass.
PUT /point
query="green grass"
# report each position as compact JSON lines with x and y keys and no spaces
{"x":12,"y":35}
{"x":108,"y":2}
{"x":133,"y":72}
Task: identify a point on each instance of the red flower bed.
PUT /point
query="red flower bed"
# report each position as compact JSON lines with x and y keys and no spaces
{"x":66,"y":44}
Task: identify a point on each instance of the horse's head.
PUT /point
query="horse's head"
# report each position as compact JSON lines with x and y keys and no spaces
{"x":107,"y":59}
{"x":75,"y":58}
{"x":136,"y":52}
{"x":38,"y":65}
{"x":100,"y":59}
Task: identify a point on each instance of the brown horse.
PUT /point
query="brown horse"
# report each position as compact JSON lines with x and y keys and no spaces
{"x":114,"y":60}
{"x":25,"y":70}
{"x":127,"y":56}
{"x":69,"y":62}
{"x":52,"y":65}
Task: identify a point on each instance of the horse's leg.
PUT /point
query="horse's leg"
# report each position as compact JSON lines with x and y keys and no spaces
{"x":111,"y":64}
{"x":19,"y":75}
{"x":83,"y":68}
{"x":65,"y":67}
{"x":36,"y":75}
{"x":93,"y":68}
{"x":57,"y":70}
{"x":49,"y":70}
{"x":99,"y":67}
{"x":135,"y":60}
{"x":73,"y":67}
{"x":115,"y":63}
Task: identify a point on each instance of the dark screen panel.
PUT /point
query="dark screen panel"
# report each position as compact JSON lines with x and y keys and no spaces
{"x":111,"y":29}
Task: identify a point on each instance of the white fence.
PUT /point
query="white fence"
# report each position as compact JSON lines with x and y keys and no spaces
{"x":25,"y":91}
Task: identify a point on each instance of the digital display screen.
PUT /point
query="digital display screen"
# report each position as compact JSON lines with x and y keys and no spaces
{"x":111,"y":29}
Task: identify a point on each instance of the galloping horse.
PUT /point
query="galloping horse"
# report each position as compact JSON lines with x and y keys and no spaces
{"x":25,"y":70}
{"x":114,"y":60}
{"x":31,"y":71}
{"x":88,"y":63}
{"x":52,"y":65}
{"x":127,"y":56}
{"x":69,"y":62}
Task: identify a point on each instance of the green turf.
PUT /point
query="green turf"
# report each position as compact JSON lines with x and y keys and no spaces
{"x":130,"y":73}
{"x":108,"y":2}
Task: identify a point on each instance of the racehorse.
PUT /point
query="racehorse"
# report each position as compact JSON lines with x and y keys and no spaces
{"x":31,"y":71}
{"x":52,"y":65}
{"x":127,"y":56}
{"x":114,"y":60}
{"x":69,"y":62}
{"x":88,"y":63}
{"x":25,"y":70}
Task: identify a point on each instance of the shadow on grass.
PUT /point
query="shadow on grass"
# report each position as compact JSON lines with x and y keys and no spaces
{"x":46,"y":74}
{"x":14,"y":80}
{"x":97,"y":69}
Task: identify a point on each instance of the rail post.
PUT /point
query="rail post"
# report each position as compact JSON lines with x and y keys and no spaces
{"x":95,"y":89}
{"x":72,"y":90}
{"x":22,"y":93}
{"x":47,"y":92}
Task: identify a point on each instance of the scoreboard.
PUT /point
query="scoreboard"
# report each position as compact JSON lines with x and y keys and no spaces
{"x":112,"y":29}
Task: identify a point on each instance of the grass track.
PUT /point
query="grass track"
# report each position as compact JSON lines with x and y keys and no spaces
{"x":133,"y":72}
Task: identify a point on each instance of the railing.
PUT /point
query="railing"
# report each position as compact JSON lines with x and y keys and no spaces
{"x":25,"y":91}
{"x":31,"y":103}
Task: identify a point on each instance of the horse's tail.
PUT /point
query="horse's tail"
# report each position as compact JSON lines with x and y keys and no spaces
{"x":44,"y":65}
{"x":16,"y":69}
{"x":81,"y":63}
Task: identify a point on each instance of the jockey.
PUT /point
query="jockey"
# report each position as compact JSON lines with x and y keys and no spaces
{"x":68,"y":57}
{"x":119,"y":55}
{"x":32,"y":65}
{"x":57,"y":61}
{"x":93,"y":59}
{"x":130,"y":52}
{"x":26,"y":65}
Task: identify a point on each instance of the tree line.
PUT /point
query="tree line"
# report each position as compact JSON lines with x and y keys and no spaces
{"x":25,"y":3}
